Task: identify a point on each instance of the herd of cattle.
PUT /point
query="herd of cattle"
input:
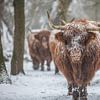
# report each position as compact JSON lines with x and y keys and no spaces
{"x":75,"y":50}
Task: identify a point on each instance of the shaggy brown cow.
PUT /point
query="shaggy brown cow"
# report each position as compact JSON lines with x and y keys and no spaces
{"x":75,"y":48}
{"x":38,"y":42}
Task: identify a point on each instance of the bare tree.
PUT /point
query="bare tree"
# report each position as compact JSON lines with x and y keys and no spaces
{"x":63,"y":8}
{"x":61,"y":11}
{"x":19,"y":36}
{"x":4,"y":78}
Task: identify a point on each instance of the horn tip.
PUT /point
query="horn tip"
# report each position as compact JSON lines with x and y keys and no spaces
{"x":48,"y":14}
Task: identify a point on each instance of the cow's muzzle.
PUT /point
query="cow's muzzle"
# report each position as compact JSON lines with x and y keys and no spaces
{"x":45,"y":45}
{"x":75,"y":55}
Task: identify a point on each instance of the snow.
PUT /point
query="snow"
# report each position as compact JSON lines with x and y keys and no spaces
{"x":34,"y":85}
{"x":38,"y":85}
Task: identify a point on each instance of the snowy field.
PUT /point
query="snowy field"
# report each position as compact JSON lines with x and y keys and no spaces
{"x":38,"y":85}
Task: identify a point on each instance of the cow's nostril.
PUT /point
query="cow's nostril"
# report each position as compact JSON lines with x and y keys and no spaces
{"x":75,"y":56}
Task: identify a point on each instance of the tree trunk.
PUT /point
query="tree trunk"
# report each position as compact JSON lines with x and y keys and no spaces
{"x":4,"y":78}
{"x":19,"y":36}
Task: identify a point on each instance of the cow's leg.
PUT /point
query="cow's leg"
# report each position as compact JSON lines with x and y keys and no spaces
{"x":56,"y":68}
{"x":35,"y":64}
{"x":75,"y":92}
{"x":42,"y":66}
{"x":70,"y":89}
{"x":48,"y":65}
{"x":83,"y":92}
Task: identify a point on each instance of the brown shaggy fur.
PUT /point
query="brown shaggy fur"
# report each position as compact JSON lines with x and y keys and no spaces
{"x":75,"y":42}
{"x":39,"y":48}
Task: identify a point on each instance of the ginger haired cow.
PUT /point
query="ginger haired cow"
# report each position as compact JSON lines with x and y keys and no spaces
{"x":38,"y":42}
{"x":75,"y":48}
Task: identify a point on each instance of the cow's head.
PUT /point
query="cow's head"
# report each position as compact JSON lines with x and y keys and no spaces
{"x":75,"y":42}
{"x":43,"y":39}
{"x":75,"y":36}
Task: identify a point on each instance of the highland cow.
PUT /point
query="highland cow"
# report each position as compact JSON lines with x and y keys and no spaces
{"x":75,"y":48}
{"x":38,"y":43}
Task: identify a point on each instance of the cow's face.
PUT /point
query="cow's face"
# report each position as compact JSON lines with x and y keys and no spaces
{"x":75,"y":43}
{"x":43,"y":40}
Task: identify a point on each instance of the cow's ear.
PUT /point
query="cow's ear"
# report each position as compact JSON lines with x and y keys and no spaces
{"x":36,"y":36}
{"x":91,"y":36}
{"x":59,"y":36}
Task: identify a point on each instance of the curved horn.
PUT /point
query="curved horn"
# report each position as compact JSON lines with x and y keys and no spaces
{"x":52,"y":25}
{"x":64,"y":22}
{"x":30,"y":30}
{"x":94,"y":22}
{"x":93,"y":29}
{"x":98,"y":24}
{"x":72,"y":19}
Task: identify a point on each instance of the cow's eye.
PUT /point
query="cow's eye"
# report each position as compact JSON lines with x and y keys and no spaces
{"x":67,"y":40}
{"x":81,"y":41}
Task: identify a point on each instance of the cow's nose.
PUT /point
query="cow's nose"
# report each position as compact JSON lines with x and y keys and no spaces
{"x":45,"y":45}
{"x":75,"y":55}
{"x":75,"y":51}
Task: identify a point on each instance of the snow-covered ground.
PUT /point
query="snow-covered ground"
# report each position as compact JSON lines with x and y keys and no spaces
{"x":38,"y":85}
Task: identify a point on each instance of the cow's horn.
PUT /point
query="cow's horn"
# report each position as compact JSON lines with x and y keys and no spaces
{"x":93,"y":29}
{"x":52,"y":25}
{"x":30,"y":30}
{"x":95,"y":22}
{"x":64,"y":22}
{"x":72,"y":19}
